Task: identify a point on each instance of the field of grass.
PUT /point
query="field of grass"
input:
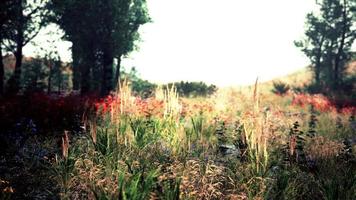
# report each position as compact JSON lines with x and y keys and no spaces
{"x":236,"y":144}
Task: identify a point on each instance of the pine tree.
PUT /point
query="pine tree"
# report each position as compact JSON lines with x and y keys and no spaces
{"x":329,"y":35}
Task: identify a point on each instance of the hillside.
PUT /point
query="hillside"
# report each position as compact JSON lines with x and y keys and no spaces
{"x":296,"y":79}
{"x":299,"y":78}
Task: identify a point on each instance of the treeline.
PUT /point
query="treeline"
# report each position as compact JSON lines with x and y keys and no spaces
{"x":145,"y":88}
{"x":100,"y":31}
{"x":193,"y":89}
{"x":103,"y":32}
{"x":329,"y":36}
{"x":55,"y":77}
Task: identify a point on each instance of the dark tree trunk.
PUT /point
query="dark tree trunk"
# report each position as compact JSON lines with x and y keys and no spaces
{"x":58,"y":65}
{"x":107,"y":79}
{"x":59,"y":85}
{"x":85,"y":80}
{"x":318,"y":63}
{"x":340,"y":49}
{"x":88,"y":62}
{"x":317,"y":74}
{"x":117,"y":73}
{"x":49,"y":64}
{"x":96,"y":73}
{"x":14,"y":81}
{"x":76,"y":66}
{"x":2,"y":72}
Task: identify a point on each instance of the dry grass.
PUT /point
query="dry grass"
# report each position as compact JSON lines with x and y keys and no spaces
{"x":174,"y":151}
{"x":323,"y":148}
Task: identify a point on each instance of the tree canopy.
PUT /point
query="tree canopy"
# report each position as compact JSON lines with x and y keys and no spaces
{"x":100,"y":31}
{"x":24,"y":19}
{"x":328,"y":39}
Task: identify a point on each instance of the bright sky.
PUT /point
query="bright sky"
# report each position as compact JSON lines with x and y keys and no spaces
{"x":224,"y":42}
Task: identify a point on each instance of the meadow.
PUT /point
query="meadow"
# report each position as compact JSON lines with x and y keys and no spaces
{"x":236,"y":144}
{"x":75,"y":124}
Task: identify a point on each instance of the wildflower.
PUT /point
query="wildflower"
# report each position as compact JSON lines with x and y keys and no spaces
{"x":348,"y":110}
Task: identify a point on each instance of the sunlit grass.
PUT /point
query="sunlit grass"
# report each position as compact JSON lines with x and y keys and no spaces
{"x":168,"y":147}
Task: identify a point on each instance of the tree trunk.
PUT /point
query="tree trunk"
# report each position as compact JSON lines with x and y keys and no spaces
{"x":76,"y":66}
{"x":14,"y":81}
{"x":340,"y":49}
{"x":107,"y":81}
{"x":2,"y":71}
{"x":87,"y":62}
{"x":317,"y":73}
{"x":96,"y":73}
{"x":117,"y":73}
{"x":49,"y":65}
{"x":318,"y":62}
{"x":58,"y":65}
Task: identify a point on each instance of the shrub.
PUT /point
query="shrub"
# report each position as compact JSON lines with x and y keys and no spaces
{"x":302,"y":185}
{"x":280,"y":88}
{"x":193,"y":89}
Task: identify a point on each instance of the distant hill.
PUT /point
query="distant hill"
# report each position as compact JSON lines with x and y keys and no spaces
{"x":296,"y":79}
{"x":301,"y":77}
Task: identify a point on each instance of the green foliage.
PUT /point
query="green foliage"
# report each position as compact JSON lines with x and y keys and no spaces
{"x":197,"y":123}
{"x":113,"y":25}
{"x":349,"y":86}
{"x":22,"y":20}
{"x":302,"y":185}
{"x":60,"y":77}
{"x":193,"y":89}
{"x":280,"y":88}
{"x":145,"y":88}
{"x":144,"y":132}
{"x":129,"y":155}
{"x":171,"y":190}
{"x":139,"y":186}
{"x":44,"y":75}
{"x":140,"y":87}
{"x":312,"y":123}
{"x":106,"y":142}
{"x":34,"y":76}
{"x":328,"y":39}
{"x":29,"y":17}
{"x":63,"y":168}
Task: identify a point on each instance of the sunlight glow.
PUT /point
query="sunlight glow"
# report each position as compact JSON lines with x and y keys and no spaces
{"x":224,"y":42}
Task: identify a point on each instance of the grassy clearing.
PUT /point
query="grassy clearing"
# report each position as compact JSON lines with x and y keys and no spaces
{"x":233,"y":145}
{"x":236,"y":144}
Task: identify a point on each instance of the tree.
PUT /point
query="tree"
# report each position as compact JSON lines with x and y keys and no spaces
{"x":100,"y":31}
{"x":313,"y":44}
{"x":6,"y":17}
{"x":76,"y":18}
{"x":328,"y":40}
{"x":127,"y":30}
{"x":34,"y":74}
{"x":344,"y":35}
{"x":29,"y":16}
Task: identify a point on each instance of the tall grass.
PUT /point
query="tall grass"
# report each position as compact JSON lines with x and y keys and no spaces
{"x":256,"y":128}
{"x":173,"y":153}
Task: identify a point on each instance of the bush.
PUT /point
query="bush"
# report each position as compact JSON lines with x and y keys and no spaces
{"x":48,"y":112}
{"x":144,"y":88}
{"x":280,"y":88}
{"x":193,"y":89}
{"x":140,"y":87}
{"x":303,"y":186}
